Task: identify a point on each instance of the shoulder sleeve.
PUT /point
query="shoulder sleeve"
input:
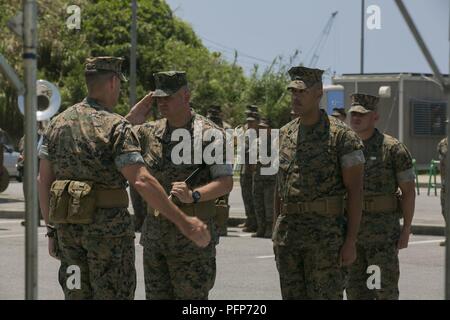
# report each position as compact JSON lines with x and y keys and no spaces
{"x":442,"y":149}
{"x":402,"y":160}
{"x":350,"y":149}
{"x":43,"y":152}
{"x":125,"y":145}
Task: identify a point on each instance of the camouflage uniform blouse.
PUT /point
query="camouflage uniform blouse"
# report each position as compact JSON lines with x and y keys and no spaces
{"x":388,"y":162}
{"x":311,"y":160}
{"x":157,"y":147}
{"x":86,"y":142}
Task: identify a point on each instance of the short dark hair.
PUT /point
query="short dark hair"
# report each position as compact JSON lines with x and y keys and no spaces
{"x":98,"y":77}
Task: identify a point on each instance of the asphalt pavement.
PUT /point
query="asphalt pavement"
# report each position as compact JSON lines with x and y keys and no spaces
{"x":245,"y":266}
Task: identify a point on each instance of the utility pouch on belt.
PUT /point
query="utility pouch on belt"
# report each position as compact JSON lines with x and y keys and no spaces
{"x":222,"y":213}
{"x":202,"y":210}
{"x":82,"y":203}
{"x":59,"y":201}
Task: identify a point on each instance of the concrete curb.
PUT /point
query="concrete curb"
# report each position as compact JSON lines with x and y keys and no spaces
{"x":12,"y":214}
{"x":428,"y":230}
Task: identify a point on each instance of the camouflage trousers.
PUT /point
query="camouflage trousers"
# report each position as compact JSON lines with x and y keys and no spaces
{"x":309,"y":273}
{"x":385,"y":256}
{"x":246,"y":181}
{"x":174,"y":267}
{"x":263,"y":197}
{"x":106,"y":267}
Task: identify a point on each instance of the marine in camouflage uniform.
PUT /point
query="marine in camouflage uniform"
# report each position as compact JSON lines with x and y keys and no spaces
{"x":247,"y":169}
{"x":86,"y":142}
{"x":222,"y":205}
{"x":311,"y":244}
{"x":85,"y":153}
{"x":388,"y":165}
{"x":264,"y":192}
{"x":339,"y":113}
{"x":173,"y":267}
{"x":215,"y":114}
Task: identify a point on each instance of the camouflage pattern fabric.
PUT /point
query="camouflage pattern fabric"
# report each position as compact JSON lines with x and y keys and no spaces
{"x":388,"y":162}
{"x":169,"y":82}
{"x":442,"y":151}
{"x":101,"y":64}
{"x":246,"y":183}
{"x":310,"y":273}
{"x":214,"y":116}
{"x":307,"y":245}
{"x":303,"y":78}
{"x":107,"y":267}
{"x":88,"y":143}
{"x":263,"y":197}
{"x":174,"y":267}
{"x":385,"y":256}
{"x":363,"y":103}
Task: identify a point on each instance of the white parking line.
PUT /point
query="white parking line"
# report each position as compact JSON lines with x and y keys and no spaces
{"x":18,"y":235}
{"x":10,"y":221}
{"x":427,"y":241}
{"x":265,"y":257}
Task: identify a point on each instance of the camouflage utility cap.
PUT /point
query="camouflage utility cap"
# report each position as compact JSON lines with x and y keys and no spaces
{"x":363,"y":103}
{"x":253,"y":116}
{"x":339,"y":112}
{"x":169,"y":82}
{"x":252,"y":108}
{"x":102,"y":64}
{"x":303,"y":78}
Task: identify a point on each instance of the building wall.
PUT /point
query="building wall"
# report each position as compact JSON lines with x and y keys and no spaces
{"x":423,"y":148}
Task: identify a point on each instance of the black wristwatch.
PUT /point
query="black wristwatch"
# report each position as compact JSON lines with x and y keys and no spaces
{"x":196,"y":196}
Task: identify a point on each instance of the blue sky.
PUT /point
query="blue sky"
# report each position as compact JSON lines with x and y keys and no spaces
{"x":263,"y":29}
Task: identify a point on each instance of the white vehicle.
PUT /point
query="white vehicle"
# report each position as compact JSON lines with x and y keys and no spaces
{"x":10,"y":160}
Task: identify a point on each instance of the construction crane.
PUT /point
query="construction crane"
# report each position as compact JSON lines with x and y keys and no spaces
{"x":322,"y":41}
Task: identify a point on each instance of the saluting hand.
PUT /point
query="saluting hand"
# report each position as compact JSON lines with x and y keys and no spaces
{"x":141,"y":110}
